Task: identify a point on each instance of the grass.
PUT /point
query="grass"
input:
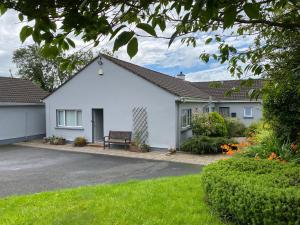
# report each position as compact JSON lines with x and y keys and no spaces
{"x":174,"y":200}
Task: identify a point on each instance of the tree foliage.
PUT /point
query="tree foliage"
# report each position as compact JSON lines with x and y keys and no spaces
{"x":282,"y":95}
{"x":48,"y":73}
{"x":56,"y":22}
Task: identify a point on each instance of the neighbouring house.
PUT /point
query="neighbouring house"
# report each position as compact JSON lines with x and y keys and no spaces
{"x":22,"y":113}
{"x":111,"y":94}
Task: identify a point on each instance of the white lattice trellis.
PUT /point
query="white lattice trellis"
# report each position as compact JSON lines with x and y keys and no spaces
{"x":140,"y":123}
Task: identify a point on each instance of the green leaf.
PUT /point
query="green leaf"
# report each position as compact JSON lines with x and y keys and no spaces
{"x":252,"y":10}
{"x":197,"y":8}
{"x":50,"y":51}
{"x":3,"y":9}
{"x":70,"y":42}
{"x":21,"y":17}
{"x":218,"y":39}
{"x":229,"y":16}
{"x":132,"y":47}
{"x":162,"y":24}
{"x":208,"y":40}
{"x":25,"y":33}
{"x":122,"y":39}
{"x":116,"y":31}
{"x":188,"y":4}
{"x":204,"y":57}
{"x":174,"y":35}
{"x":147,"y":28}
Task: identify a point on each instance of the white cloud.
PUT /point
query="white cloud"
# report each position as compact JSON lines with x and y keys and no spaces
{"x":151,"y":51}
{"x":217,"y":73}
{"x":9,"y":41}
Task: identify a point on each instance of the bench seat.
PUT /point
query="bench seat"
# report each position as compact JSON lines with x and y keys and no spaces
{"x":118,"y":137}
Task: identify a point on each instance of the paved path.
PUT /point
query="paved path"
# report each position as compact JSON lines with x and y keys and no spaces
{"x":154,"y":155}
{"x":30,"y":170}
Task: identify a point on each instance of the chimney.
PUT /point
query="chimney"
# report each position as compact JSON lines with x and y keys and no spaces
{"x":180,"y":76}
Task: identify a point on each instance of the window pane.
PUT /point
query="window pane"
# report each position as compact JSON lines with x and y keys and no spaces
{"x":79,"y":118}
{"x":186,"y":117}
{"x":248,"y":111}
{"x":60,"y":118}
{"x":70,"y":118}
{"x":224,"y":111}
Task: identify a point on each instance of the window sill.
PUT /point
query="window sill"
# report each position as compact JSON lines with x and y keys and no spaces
{"x":70,"y":128}
{"x":248,"y":117}
{"x":185,"y":128}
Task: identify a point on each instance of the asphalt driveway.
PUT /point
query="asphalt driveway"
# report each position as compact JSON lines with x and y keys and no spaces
{"x":30,"y":170}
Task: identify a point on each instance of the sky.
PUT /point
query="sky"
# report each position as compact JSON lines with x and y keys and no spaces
{"x":153,"y":53}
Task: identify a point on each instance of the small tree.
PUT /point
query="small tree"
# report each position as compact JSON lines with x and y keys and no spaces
{"x":48,"y":73}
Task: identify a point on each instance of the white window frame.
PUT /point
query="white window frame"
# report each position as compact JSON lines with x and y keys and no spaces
{"x":249,"y":115}
{"x":65,"y":119}
{"x":186,"y":121}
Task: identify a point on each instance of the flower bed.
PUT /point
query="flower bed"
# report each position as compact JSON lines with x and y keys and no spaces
{"x":251,"y":191}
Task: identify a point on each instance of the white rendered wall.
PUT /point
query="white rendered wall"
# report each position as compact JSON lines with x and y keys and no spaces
{"x":21,"y":121}
{"x":238,"y":108}
{"x":117,"y":92}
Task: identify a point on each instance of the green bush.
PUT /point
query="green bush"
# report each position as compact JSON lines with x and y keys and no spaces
{"x":235,"y":127}
{"x":54,"y":140}
{"x":252,"y":129}
{"x":80,"y":142}
{"x":266,"y":143}
{"x":204,"y":144}
{"x":256,"y":192}
{"x":211,"y":124}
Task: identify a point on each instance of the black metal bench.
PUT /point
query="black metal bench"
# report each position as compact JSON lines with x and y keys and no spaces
{"x":118,"y":138}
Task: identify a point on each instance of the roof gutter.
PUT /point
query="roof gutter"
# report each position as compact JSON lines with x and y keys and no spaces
{"x":210,"y":100}
{"x":20,"y":104}
{"x":188,"y":99}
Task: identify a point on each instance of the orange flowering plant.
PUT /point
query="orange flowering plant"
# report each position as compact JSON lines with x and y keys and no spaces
{"x":231,"y":149}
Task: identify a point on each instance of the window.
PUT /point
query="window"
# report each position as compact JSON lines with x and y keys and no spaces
{"x":186,"y":117}
{"x":69,"y":118}
{"x":224,"y":111}
{"x":233,"y":114}
{"x":248,"y":112}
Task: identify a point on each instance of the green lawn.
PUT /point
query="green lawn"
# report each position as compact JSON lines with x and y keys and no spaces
{"x":175,"y":200}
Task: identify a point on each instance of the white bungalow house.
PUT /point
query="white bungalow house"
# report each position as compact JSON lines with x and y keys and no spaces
{"x":111,"y":94}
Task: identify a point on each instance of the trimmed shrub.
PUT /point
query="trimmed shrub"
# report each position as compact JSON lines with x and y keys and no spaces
{"x":80,"y":142}
{"x":235,"y":127}
{"x":256,"y":192}
{"x":211,"y":124}
{"x":204,"y":144}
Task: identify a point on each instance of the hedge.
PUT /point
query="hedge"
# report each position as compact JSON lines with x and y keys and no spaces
{"x":204,"y":144}
{"x":256,"y":192}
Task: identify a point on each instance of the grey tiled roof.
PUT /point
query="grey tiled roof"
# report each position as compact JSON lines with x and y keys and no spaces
{"x":173,"y":85}
{"x":17,"y":90}
{"x":219,"y":92}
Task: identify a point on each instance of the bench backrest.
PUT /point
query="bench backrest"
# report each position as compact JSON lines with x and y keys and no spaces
{"x":120,"y":135}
